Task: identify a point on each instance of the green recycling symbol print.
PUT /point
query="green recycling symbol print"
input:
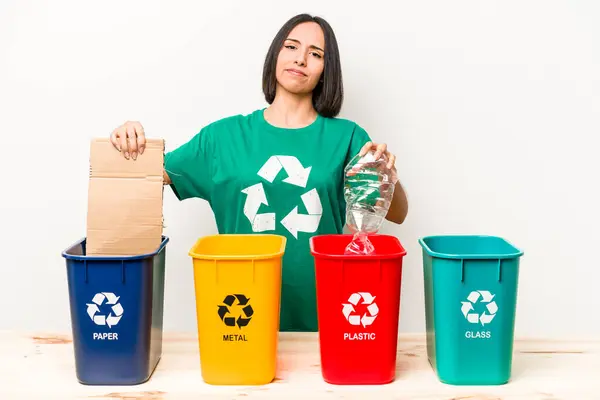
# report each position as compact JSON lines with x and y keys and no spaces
{"x":294,"y":222}
{"x":240,"y":314}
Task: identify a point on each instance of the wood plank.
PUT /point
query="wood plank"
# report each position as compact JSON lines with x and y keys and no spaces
{"x":41,"y":366}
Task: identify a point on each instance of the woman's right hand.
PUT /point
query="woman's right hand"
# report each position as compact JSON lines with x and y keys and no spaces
{"x":129,"y":139}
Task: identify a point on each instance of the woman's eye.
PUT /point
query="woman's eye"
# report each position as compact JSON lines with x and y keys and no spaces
{"x":316,"y":55}
{"x":289,"y":46}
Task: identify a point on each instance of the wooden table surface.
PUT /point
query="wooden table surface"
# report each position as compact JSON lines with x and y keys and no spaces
{"x":41,"y":366}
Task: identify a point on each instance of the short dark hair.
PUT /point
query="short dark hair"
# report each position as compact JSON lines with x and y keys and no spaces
{"x":328,"y":95}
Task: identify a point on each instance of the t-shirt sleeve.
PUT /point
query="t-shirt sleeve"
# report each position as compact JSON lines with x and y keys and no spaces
{"x":190,"y":167}
{"x":360,"y":137}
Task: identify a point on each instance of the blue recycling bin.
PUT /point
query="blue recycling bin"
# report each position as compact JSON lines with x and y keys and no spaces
{"x":116,"y":314}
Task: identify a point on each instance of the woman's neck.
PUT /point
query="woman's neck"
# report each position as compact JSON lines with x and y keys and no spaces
{"x":289,"y":110}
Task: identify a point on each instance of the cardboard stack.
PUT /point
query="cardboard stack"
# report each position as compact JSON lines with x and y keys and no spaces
{"x":125,"y":200}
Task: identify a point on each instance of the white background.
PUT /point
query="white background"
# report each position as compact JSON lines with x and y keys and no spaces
{"x":493,"y":109}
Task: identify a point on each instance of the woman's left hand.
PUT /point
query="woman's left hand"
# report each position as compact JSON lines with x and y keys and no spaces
{"x":380,"y":149}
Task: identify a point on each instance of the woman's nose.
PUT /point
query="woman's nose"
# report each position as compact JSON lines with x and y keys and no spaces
{"x":300,"y":59}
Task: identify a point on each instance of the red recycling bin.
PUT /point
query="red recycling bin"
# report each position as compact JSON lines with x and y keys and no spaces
{"x":358,"y":307}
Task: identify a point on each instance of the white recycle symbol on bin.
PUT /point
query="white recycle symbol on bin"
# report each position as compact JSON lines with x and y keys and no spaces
{"x":356,"y":319}
{"x":113,"y":317}
{"x":488,"y":299}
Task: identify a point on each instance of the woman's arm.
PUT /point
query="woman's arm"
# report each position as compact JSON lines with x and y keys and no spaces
{"x":166,"y":178}
{"x":399,"y":206}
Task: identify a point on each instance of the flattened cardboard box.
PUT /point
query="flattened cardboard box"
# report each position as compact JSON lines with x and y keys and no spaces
{"x":125,"y":200}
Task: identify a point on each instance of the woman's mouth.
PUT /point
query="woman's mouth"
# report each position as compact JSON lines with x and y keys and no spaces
{"x":295,"y":72}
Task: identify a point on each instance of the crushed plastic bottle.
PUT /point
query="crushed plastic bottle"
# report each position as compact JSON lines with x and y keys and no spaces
{"x":368,"y":190}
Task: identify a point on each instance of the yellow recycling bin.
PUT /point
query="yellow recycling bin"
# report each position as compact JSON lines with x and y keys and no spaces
{"x":238,"y":292}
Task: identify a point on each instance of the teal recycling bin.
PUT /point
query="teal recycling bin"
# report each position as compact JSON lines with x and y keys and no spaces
{"x":470,"y":305}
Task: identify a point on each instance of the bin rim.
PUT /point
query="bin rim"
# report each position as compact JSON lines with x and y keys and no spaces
{"x":452,"y":256}
{"x":397,"y":254}
{"x":65,"y":253}
{"x":264,"y":256}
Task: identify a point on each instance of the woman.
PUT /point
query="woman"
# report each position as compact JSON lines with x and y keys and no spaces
{"x":279,"y":169}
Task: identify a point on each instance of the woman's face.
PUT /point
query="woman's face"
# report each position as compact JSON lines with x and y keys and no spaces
{"x":301,"y":60}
